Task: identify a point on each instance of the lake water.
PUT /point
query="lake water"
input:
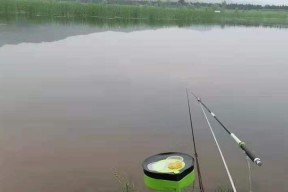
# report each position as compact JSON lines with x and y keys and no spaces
{"x":78,"y":102}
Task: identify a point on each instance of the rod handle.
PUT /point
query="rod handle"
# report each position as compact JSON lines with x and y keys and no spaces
{"x":253,"y":157}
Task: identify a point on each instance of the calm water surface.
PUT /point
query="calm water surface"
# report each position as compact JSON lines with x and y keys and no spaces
{"x":79,"y":102}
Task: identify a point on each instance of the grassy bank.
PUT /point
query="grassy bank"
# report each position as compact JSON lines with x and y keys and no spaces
{"x":151,"y":15}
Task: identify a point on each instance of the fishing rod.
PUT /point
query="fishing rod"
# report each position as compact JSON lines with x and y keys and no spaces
{"x":241,"y":144}
{"x":194,"y":143}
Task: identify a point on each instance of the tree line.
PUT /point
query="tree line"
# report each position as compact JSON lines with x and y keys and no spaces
{"x":189,"y":4}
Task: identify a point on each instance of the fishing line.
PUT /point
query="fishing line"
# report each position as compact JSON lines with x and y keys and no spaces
{"x":220,"y":151}
{"x":194,"y":143}
{"x":249,"y":174}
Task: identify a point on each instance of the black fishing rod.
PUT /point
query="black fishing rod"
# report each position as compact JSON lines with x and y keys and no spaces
{"x":194,"y":143}
{"x":241,"y":144}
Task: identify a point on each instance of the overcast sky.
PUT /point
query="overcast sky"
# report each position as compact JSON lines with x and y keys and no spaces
{"x":261,"y":2}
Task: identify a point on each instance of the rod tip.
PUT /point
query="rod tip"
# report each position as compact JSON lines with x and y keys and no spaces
{"x":258,"y":162}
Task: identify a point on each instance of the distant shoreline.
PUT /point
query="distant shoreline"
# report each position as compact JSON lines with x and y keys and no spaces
{"x":135,"y":14}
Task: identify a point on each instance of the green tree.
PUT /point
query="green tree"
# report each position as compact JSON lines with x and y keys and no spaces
{"x":224,"y":4}
{"x":182,"y":2}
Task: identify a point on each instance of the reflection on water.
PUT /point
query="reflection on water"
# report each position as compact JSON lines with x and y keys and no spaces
{"x":74,"y":109}
{"x":36,"y":33}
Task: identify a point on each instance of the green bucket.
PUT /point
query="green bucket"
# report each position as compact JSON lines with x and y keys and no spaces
{"x":170,"y":171}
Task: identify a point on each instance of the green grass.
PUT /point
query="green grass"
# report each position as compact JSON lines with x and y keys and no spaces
{"x":125,"y":184}
{"x":132,"y":14}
